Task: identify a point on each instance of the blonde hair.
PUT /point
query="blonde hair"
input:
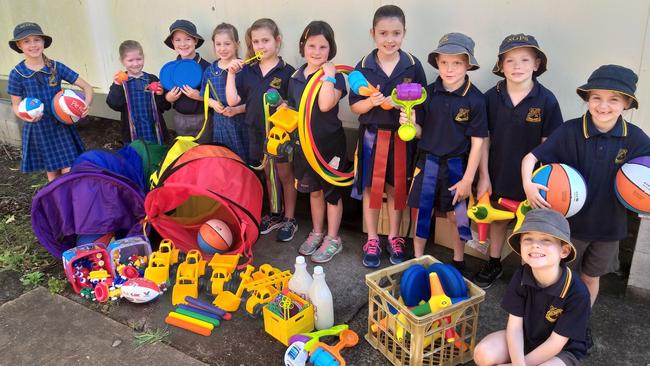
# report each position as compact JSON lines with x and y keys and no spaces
{"x":130,"y":45}
{"x":229,"y":29}
{"x":259,"y":24}
{"x":50,"y":65}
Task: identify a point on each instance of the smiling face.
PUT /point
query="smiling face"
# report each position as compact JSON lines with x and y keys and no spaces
{"x":184,"y":44}
{"x":519,"y":64}
{"x":388,"y":34}
{"x":224,"y":46}
{"x":540,"y":250}
{"x":606,"y":106}
{"x":452,"y":69}
{"x":32,"y":46}
{"x":316,"y":50}
{"x":133,"y":62}
{"x":262,"y":40}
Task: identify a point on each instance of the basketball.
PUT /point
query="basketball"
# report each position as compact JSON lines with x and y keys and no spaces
{"x":632,"y":185}
{"x":68,"y":106}
{"x":214,"y":237}
{"x":30,"y":108}
{"x":567,"y":190}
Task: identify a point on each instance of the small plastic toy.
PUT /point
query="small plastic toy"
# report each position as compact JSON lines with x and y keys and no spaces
{"x":133,"y":252}
{"x":408,"y":95}
{"x":300,"y":344}
{"x":154,"y":87}
{"x":161,"y":262}
{"x":228,"y":301}
{"x":221,"y":268}
{"x":256,"y":57}
{"x":187,"y":277}
{"x":326,"y":355}
{"x":81,"y":261}
{"x":285,"y":122}
{"x":519,"y":208}
{"x":439,"y":300}
{"x":120,"y":77}
{"x":360,"y":86}
{"x":190,"y":324}
{"x":273,"y":97}
{"x":484,"y":214}
{"x":208,"y":318}
{"x":194,"y":302}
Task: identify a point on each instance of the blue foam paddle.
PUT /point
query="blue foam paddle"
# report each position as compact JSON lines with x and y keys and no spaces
{"x":166,"y":74}
{"x":451,"y":280}
{"x":414,"y":285}
{"x":187,"y":72}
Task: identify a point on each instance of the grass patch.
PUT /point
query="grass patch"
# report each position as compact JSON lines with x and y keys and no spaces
{"x":32,"y":279}
{"x":56,"y":286}
{"x":150,"y":336}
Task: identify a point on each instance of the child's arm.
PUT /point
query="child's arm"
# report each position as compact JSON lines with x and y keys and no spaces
{"x":364,"y":106}
{"x":328,"y":96}
{"x":532,"y":189}
{"x":403,"y":119}
{"x":15,"y":102}
{"x":88,"y":93}
{"x":515,"y":339}
{"x":547,"y":350}
{"x":464,"y":187}
{"x":191,"y":93}
{"x":116,"y":99}
{"x":233,"y":111}
{"x":484,"y":182}
{"x":232,"y":96}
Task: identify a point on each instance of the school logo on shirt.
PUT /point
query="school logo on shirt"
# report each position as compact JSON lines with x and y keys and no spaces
{"x":534,"y":115}
{"x":276,"y":83}
{"x":620,"y":157}
{"x":462,"y":115}
{"x":407,"y":80}
{"x":553,"y":314}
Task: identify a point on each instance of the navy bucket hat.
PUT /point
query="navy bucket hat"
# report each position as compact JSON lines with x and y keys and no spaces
{"x":24,"y":30}
{"x":549,"y":222}
{"x":520,"y":41}
{"x":455,"y":44}
{"x":613,"y":78}
{"x":184,"y":26}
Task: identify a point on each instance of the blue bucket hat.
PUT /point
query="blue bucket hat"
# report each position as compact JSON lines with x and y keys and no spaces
{"x":546,"y":221}
{"x":184,"y":26}
{"x":455,"y":44}
{"x":613,"y":78}
{"x":519,"y":41}
{"x":24,"y":30}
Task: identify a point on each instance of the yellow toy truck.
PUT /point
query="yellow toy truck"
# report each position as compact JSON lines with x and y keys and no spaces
{"x":285,"y":122}
{"x":187,"y":277}
{"x":161,"y":263}
{"x":221,"y":268}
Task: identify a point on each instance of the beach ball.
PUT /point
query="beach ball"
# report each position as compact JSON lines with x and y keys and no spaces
{"x":214,"y":237}
{"x":68,"y":106}
{"x":30,"y":108}
{"x":632,"y":185}
{"x":567,"y":190}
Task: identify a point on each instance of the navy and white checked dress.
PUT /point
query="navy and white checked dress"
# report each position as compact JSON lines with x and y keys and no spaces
{"x":140,"y":104}
{"x":47,"y":144}
{"x":227,"y":131}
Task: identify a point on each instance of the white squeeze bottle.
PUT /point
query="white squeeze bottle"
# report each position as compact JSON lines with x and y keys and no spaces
{"x":321,"y":297}
{"x":300,"y":281}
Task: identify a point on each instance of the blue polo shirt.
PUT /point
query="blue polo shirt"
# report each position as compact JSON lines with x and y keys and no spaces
{"x":408,"y":70}
{"x":515,"y":131}
{"x":251,"y":86}
{"x":452,"y":118}
{"x":597,"y":156}
{"x":563,"y":307}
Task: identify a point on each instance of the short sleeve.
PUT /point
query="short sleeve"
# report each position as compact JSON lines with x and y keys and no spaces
{"x":575,"y":316}
{"x":478,"y":125}
{"x":553,"y":118}
{"x":66,"y":73}
{"x":15,"y":85}
{"x":354,"y":97}
{"x":514,"y":300}
{"x":555,"y":148}
{"x":340,"y":84}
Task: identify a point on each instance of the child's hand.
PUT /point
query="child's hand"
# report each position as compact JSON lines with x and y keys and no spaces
{"x":484,"y":185}
{"x":155,"y":87}
{"x":229,"y":112}
{"x":173,"y":94}
{"x":84,"y":111}
{"x":377,"y":98}
{"x":329,"y":69}
{"x":235,"y":66}
{"x":120,"y":77}
{"x":216,"y":106}
{"x":463,"y":188}
{"x":532,"y":195}
{"x":33,"y":120}
{"x":403,"y":118}
{"x":191,"y":92}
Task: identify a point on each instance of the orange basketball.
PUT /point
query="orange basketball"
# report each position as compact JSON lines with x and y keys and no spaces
{"x":632,"y":185}
{"x":214,"y":237}
{"x":567,"y":190}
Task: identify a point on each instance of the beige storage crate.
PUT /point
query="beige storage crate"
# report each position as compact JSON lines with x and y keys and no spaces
{"x":383,"y":293}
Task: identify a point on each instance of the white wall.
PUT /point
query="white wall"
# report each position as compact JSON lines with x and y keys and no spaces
{"x":577,"y":35}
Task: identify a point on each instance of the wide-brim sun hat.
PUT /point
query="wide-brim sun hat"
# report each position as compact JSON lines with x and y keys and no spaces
{"x":546,"y":221}
{"x":613,"y":78}
{"x":183,"y":26}
{"x":24,"y":30}
{"x":520,"y":40}
{"x":455,"y":44}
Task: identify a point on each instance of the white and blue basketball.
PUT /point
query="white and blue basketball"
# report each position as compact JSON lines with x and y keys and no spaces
{"x":30,"y":108}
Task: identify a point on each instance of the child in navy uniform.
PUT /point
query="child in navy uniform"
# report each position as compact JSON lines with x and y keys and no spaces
{"x":548,"y":305}
{"x":187,"y":102}
{"x":248,"y":87}
{"x":318,"y":47}
{"x":596,"y":144}
{"x":451,"y":134}
{"x":142,"y":114}
{"x":522,"y":113}
{"x":385,"y":161}
{"x":46,"y":144}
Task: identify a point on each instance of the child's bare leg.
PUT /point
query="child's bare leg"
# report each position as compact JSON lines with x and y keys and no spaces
{"x":285,"y":173}
{"x":492,"y":350}
{"x":370,"y":216}
{"x":497,"y":237}
{"x":317,"y":206}
{"x":593,"y":285}
{"x":394,"y":216}
{"x":459,"y":246}
{"x":53,"y":175}
{"x":334,"y":215}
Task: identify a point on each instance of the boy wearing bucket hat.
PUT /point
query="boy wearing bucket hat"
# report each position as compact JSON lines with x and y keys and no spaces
{"x":46,"y":144}
{"x":596,"y":144}
{"x":451,"y":134}
{"x":187,"y":101}
{"x":522,"y":113}
{"x":548,"y":306}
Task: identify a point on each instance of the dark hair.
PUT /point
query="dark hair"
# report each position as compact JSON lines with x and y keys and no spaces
{"x":389,"y":11}
{"x":316,"y":28}
{"x":130,"y":45}
{"x":229,"y":29}
{"x":259,"y":24}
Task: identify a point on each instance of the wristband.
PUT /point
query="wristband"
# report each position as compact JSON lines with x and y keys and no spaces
{"x":328,"y":78}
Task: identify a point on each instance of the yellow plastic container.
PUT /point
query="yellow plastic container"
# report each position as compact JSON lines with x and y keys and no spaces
{"x":282,"y":329}
{"x":285,"y":118}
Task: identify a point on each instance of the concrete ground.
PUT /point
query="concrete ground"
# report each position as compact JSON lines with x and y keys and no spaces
{"x":39,"y":328}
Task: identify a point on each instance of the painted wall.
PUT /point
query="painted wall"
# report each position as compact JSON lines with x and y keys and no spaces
{"x":577,"y":35}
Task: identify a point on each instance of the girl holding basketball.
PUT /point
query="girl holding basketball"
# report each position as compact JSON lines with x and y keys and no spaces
{"x":596,"y":144}
{"x":46,"y":144}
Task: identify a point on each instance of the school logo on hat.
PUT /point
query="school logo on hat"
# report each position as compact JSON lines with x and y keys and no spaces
{"x":276,"y":83}
{"x":620,"y":156}
{"x":462,"y":115}
{"x":534,"y":115}
{"x":553,"y":314}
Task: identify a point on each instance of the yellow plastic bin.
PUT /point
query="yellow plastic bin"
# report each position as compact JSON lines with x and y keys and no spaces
{"x":282,"y":329}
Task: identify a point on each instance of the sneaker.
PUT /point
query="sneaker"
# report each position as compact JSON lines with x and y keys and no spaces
{"x":287,"y":230}
{"x":487,"y":275}
{"x":313,"y":241}
{"x":270,"y":222}
{"x":371,"y":252}
{"x":395,"y":248}
{"x":329,"y":248}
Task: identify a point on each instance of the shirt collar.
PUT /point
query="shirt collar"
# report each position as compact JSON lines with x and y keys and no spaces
{"x":280,"y":65}
{"x":300,"y":74}
{"x":589,"y":128}
{"x":461,"y":91}
{"x":405,"y":61}
{"x":196,"y":58}
{"x":26,"y":72}
{"x":558,"y":289}
{"x":502,"y":90}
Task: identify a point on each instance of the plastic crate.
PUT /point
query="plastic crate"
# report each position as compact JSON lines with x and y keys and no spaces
{"x":282,"y":329}
{"x":383,"y":294}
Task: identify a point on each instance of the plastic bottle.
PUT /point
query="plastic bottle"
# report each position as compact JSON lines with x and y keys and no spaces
{"x":321,"y":297}
{"x":301,"y":280}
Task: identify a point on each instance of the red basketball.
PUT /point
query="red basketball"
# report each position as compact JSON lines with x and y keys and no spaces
{"x":214,"y":237}
{"x":68,"y":106}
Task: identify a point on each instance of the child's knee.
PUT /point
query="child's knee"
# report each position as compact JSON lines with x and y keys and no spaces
{"x":316,"y":195}
{"x":451,"y":217}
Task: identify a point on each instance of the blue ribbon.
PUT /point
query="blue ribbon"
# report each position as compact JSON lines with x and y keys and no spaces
{"x":427,"y":195}
{"x":367,"y":144}
{"x":455,"y":166}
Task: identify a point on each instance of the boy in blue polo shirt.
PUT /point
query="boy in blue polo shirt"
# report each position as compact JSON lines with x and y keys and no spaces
{"x":522,"y":113}
{"x":548,"y":305}
{"x":596,"y":144}
{"x":451,"y":134}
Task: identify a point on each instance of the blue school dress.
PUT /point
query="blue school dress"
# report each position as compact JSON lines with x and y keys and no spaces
{"x":47,"y":144}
